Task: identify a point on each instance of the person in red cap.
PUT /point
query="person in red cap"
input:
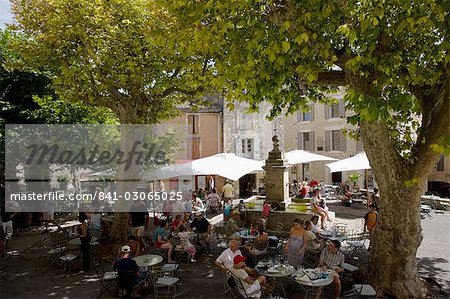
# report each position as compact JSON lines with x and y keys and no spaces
{"x":251,"y":284}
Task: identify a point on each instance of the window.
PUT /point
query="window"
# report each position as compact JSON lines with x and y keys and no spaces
{"x":193,"y":124}
{"x":335,"y":110}
{"x":306,"y":171}
{"x":306,"y":115}
{"x":305,"y":141}
{"x":440,"y":164}
{"x":247,"y":148}
{"x":335,"y":140}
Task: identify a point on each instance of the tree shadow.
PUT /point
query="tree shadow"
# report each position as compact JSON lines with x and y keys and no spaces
{"x":434,"y":269}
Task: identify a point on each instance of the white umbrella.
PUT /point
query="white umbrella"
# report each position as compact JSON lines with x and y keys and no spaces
{"x":228,"y":166}
{"x":357,"y":162}
{"x":301,"y":156}
{"x":170,"y":171}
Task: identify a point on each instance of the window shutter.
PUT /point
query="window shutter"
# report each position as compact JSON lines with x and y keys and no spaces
{"x":299,"y":140}
{"x":327,"y":111}
{"x":327,"y":141}
{"x":312,"y":141}
{"x":299,"y":116}
{"x":312,"y":112}
{"x":239,"y":147}
{"x":342,"y":142}
{"x":341,"y":109}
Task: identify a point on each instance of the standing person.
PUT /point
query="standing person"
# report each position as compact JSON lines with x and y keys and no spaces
{"x":213,"y":200}
{"x":228,"y":191}
{"x":266,"y":210}
{"x":137,"y":217}
{"x":85,"y":239}
{"x":160,"y":187}
{"x":331,"y":258}
{"x":296,"y":245}
{"x":7,"y":225}
{"x":374,"y":199}
{"x":243,"y":212}
{"x":211,"y":184}
{"x":370,"y":221}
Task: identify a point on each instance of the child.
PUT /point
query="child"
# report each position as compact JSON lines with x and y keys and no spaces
{"x":371,"y":220}
{"x":227,"y":210}
{"x":186,"y":245}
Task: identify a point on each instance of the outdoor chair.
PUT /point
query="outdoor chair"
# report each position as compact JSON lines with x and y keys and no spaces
{"x":356,"y":246}
{"x":311,"y":258}
{"x":128,"y":283}
{"x":164,"y":286}
{"x":229,"y":285}
{"x":361,"y":290}
{"x":240,"y":287}
{"x":52,"y":250}
{"x":107,"y":279}
{"x":274,"y":247}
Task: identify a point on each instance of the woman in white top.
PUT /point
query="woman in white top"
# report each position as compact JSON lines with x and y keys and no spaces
{"x":315,"y":208}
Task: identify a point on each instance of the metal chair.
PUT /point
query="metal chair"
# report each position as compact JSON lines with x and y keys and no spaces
{"x":356,"y":246}
{"x":361,"y":290}
{"x":164,"y":286}
{"x":128,"y":283}
{"x":240,"y":287}
{"x":229,"y":285}
{"x":107,"y":279}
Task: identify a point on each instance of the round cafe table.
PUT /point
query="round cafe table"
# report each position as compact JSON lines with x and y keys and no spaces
{"x":309,"y":285}
{"x":148,"y":260}
{"x":245,"y":235}
{"x":278,"y":272}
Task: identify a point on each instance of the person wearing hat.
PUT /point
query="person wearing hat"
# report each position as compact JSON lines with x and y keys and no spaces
{"x":202,"y":227}
{"x":252,"y":285}
{"x":128,"y":274}
{"x":232,"y":226}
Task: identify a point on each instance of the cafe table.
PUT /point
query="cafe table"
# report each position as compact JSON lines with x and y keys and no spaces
{"x":245,"y":235}
{"x":332,"y":235}
{"x":148,"y":260}
{"x":277,"y":271}
{"x":312,"y":280}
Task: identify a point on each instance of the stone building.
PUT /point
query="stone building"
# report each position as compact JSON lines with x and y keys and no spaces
{"x":250,"y":135}
{"x":321,"y":130}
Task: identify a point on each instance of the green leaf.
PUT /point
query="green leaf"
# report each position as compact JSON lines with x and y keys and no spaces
{"x":286,"y":46}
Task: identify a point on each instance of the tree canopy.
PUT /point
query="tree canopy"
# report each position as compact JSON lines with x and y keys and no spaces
{"x":114,"y":54}
{"x":393,"y":59}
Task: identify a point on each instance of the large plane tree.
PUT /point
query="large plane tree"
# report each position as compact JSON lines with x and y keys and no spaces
{"x":111,"y":53}
{"x":393,"y":59}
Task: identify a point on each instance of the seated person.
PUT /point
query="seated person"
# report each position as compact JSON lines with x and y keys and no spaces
{"x":314,"y":243}
{"x":213,"y":200}
{"x":186,"y":245}
{"x":135,"y":246}
{"x":314,"y":222}
{"x":252,"y":285}
{"x":344,"y":194}
{"x":259,"y":221}
{"x":202,"y":227}
{"x":225,"y":260}
{"x":232,"y":226}
{"x":260,"y":243}
{"x":303,"y":190}
{"x":333,"y":259}
{"x":315,"y":208}
{"x":197,"y":204}
{"x":160,"y":242}
{"x":128,"y":274}
{"x":177,"y":223}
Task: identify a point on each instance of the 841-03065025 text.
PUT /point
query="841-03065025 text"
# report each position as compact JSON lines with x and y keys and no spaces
{"x":140,"y":195}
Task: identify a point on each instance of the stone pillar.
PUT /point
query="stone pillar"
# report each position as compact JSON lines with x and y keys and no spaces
{"x":277,"y":177}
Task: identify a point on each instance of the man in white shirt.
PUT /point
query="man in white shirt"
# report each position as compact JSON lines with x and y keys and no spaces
{"x":225,"y":259}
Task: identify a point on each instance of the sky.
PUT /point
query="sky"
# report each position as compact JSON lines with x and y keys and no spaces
{"x":5,"y":13}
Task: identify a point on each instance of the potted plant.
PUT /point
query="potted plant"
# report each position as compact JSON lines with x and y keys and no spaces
{"x":354,"y":178}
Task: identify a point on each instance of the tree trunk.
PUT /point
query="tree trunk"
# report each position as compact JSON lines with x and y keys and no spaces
{"x":393,"y":252}
{"x":127,"y":180}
